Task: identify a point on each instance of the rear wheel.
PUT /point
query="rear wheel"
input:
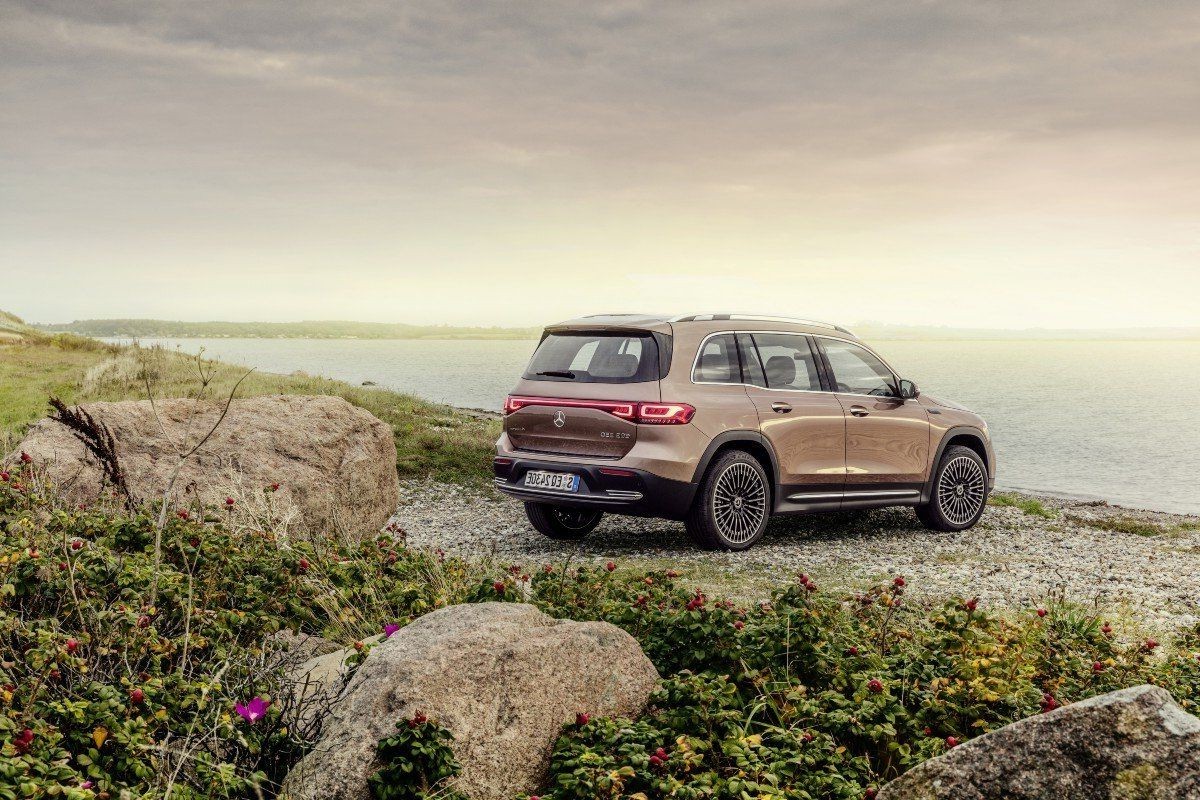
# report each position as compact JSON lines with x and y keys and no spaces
{"x":733,"y":505}
{"x":959,"y":492}
{"x":558,"y":522}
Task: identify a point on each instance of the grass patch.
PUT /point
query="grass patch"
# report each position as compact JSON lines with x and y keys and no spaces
{"x":431,"y":440}
{"x":1029,"y":505}
{"x":1131,"y":525}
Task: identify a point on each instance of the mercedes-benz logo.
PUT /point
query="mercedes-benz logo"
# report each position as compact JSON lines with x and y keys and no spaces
{"x":560,"y":419}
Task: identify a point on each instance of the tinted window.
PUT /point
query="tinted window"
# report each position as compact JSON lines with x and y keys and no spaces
{"x":752,"y":371}
{"x":718,"y":361}
{"x":788,"y":361}
{"x":595,"y":358}
{"x":856,"y":370}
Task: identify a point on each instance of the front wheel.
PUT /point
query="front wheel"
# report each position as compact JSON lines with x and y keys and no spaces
{"x":959,"y":492}
{"x":733,"y":505}
{"x":562,"y":523}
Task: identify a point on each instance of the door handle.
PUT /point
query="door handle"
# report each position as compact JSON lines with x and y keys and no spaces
{"x":859,"y":411}
{"x":780,"y":408}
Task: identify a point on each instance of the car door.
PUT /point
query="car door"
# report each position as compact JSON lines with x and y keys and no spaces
{"x":804,"y":424}
{"x":887,"y":437}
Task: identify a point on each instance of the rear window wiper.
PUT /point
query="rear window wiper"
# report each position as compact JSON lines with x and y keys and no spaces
{"x":558,"y":373}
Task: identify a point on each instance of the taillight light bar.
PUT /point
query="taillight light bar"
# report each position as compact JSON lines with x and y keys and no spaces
{"x":641,"y":413}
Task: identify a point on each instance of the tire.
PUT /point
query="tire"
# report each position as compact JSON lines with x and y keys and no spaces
{"x":733,"y":505}
{"x":959,"y":495}
{"x":564,"y":524}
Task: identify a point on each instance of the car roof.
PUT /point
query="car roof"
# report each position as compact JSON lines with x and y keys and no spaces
{"x":664,"y":322}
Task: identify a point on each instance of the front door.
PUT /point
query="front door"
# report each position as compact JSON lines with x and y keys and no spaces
{"x":887,"y":437}
{"x":805,"y":425}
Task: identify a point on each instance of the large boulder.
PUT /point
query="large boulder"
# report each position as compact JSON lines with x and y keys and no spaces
{"x":503,"y":678}
{"x":1135,"y":744}
{"x":335,"y":463}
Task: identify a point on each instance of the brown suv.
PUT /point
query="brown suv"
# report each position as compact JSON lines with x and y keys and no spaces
{"x":722,"y":420}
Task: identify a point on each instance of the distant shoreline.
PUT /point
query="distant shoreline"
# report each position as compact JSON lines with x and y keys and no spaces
{"x":350,"y":331}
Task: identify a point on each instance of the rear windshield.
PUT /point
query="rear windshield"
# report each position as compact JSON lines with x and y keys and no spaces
{"x":595,"y":358}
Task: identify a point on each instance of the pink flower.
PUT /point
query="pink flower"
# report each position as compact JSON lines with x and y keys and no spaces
{"x":389,"y":629}
{"x":253,"y":711}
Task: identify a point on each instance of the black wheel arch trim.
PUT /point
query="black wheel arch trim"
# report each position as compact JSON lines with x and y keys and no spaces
{"x":951,"y":433}
{"x":732,"y":437}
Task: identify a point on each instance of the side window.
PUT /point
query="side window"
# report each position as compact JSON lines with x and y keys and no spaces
{"x":788,"y":361}
{"x":718,"y":361}
{"x":752,"y":371}
{"x":856,"y":370}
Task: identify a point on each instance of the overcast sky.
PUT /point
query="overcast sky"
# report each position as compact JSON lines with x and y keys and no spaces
{"x":995,"y":164}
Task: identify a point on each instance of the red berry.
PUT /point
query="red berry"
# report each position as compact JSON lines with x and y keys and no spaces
{"x":870,"y":793}
{"x":738,"y":624}
{"x":143,"y":621}
{"x":899,"y":581}
{"x":1049,"y":703}
{"x":582,"y":718}
{"x":547,"y":569}
{"x":274,"y":487}
{"x":4,"y":476}
{"x":1041,"y":612}
{"x":62,"y":565}
{"x":661,"y":753}
{"x":25,"y":457}
{"x":72,"y":645}
{"x":76,"y":544}
{"x":808,"y":737}
{"x":137,"y":696}
{"x":229,"y":501}
{"x":973,"y":603}
{"x":610,"y":566}
{"x":499,"y":587}
{"x":303,"y":565}
{"x":1106,"y":629}
{"x":875,"y":685}
{"x":183,"y":514}
{"x":655,"y":761}
{"x":1150,"y":644}
{"x":951,"y":741}
{"x":851,"y":650}
{"x":1097,"y":667}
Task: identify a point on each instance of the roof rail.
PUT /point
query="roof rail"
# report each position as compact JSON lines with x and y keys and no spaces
{"x":757,"y":318}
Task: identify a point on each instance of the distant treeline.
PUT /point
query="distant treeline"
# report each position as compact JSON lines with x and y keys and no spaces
{"x":322,"y":329}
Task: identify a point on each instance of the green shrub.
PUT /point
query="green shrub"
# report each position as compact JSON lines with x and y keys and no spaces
{"x":131,"y":682}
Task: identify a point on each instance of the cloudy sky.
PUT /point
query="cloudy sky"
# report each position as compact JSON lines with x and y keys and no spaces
{"x":1005,"y":164}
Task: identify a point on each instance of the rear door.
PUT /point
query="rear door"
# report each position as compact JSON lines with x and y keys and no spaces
{"x":887,"y":437}
{"x":577,"y":394}
{"x":804,"y":424}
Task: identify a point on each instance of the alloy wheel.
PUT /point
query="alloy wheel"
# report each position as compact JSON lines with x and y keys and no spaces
{"x":961,"y":490}
{"x":574,"y":518}
{"x":739,"y":503}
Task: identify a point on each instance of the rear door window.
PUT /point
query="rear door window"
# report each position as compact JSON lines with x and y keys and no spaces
{"x":595,"y":358}
{"x":718,"y":361}
{"x":788,"y":361}
{"x":752,"y":370}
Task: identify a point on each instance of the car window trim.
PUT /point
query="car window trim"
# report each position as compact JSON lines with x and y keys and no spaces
{"x":704,"y":341}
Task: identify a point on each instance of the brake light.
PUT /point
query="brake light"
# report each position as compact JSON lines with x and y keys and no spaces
{"x":643,"y":413}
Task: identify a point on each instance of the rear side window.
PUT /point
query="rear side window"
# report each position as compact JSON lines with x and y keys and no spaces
{"x":788,"y":361}
{"x":595,"y":358}
{"x":718,"y":361}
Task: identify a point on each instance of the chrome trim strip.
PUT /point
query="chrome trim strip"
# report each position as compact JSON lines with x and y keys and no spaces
{"x":856,"y":494}
{"x":757,"y":318}
{"x":623,"y":494}
{"x":618,"y":495}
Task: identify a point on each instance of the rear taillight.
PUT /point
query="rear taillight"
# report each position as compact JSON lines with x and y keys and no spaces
{"x":665,"y":413}
{"x":643,"y":413}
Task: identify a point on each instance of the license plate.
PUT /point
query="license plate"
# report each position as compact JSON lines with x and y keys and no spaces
{"x":555,"y":481}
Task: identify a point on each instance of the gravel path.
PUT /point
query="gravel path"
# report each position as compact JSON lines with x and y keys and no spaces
{"x":1140,"y":565}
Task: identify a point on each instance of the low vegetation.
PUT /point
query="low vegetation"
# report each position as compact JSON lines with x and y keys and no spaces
{"x":811,"y":695}
{"x":1029,"y":505}
{"x":324,"y":329}
{"x":431,"y":440}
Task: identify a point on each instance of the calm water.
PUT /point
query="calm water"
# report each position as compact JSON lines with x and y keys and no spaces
{"x":1113,"y":420}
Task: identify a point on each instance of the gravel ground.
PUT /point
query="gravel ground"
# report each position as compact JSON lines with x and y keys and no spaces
{"x":1139,"y":566}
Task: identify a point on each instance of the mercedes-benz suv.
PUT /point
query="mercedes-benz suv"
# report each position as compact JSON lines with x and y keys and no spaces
{"x":725,"y":420}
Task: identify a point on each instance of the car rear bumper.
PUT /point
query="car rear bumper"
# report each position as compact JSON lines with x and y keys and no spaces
{"x":634,"y":492}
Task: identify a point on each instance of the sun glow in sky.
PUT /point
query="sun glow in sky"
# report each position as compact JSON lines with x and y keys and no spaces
{"x":955,"y":163}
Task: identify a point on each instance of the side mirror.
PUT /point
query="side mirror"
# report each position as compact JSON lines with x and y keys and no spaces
{"x":909,"y":390}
